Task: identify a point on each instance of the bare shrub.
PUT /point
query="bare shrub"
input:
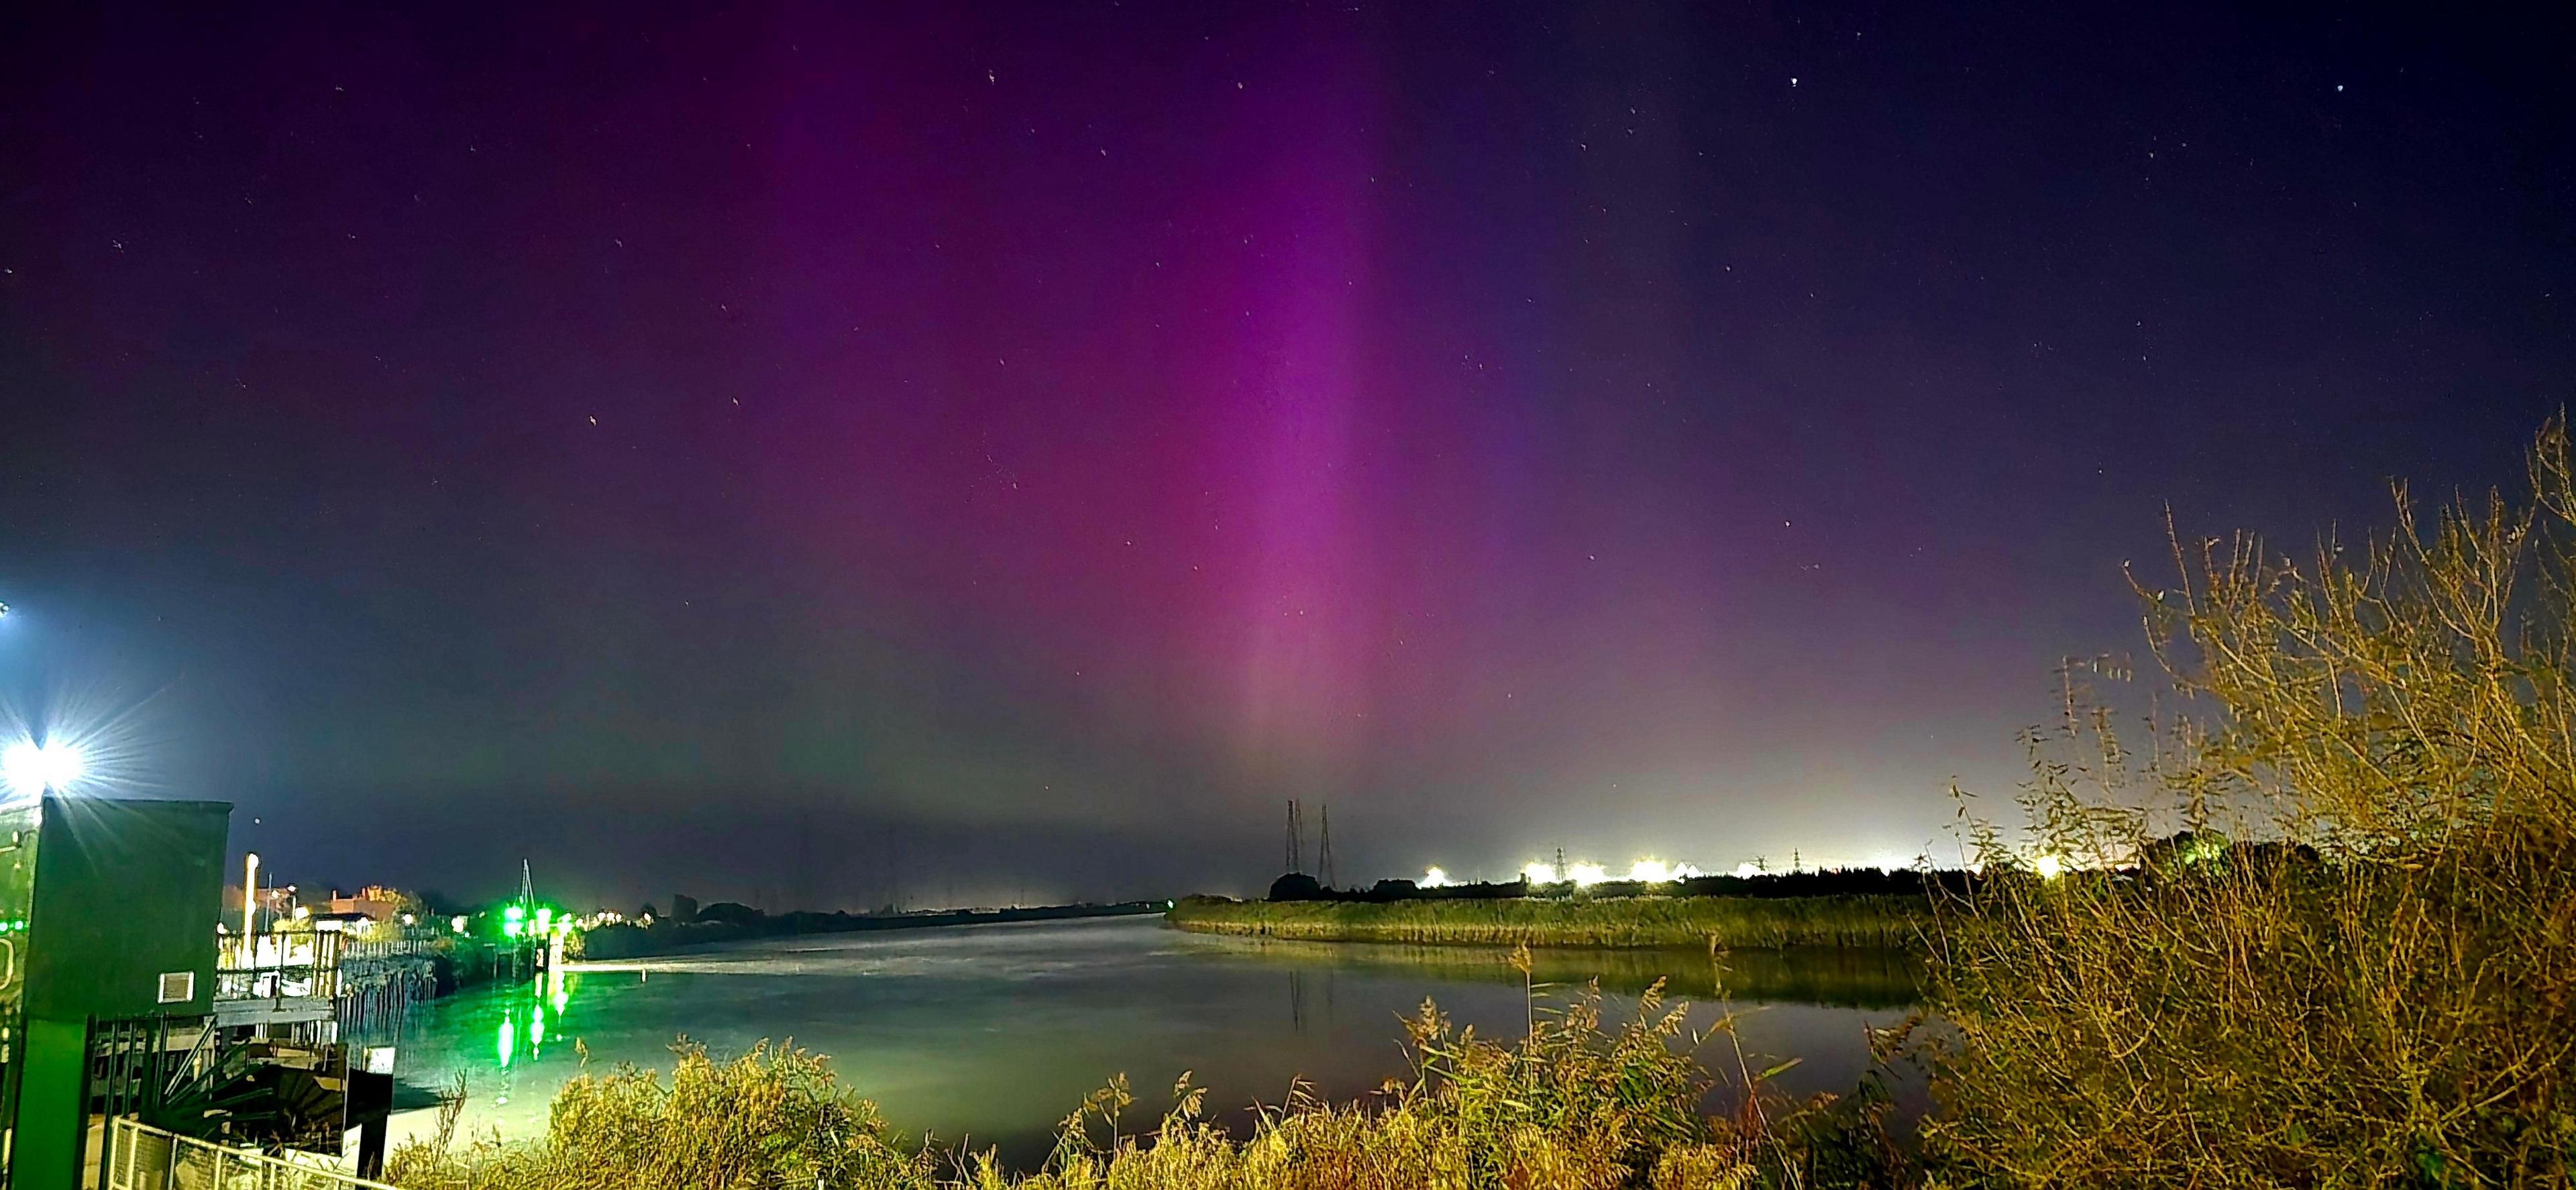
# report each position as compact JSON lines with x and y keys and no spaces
{"x":2321,"y":929}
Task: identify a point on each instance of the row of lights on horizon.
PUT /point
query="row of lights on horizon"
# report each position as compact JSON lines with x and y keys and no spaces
{"x":1648,"y":871}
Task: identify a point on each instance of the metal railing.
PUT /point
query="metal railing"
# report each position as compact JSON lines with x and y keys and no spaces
{"x":281,"y":964}
{"x":142,"y":1157}
{"x":385,"y":943}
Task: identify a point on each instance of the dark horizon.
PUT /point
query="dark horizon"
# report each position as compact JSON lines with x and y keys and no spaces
{"x":718,"y":453}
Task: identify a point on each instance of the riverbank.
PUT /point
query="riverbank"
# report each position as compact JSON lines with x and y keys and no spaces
{"x":1724,"y":923}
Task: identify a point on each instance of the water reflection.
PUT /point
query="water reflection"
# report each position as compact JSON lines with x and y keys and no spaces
{"x":1874,"y":979}
{"x":989,"y":1034}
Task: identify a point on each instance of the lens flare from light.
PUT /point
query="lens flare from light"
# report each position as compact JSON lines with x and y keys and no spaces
{"x":30,"y":768}
{"x":2049,"y":867}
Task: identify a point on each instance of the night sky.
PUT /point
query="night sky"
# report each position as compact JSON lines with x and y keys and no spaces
{"x":976,"y":453}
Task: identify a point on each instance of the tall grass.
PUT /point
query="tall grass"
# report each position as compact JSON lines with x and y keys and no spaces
{"x":2378,"y":984}
{"x":1570,"y":1105}
{"x":1726,"y":923}
{"x":773,"y":1117}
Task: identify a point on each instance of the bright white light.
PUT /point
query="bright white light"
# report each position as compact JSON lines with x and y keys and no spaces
{"x":30,"y":768}
{"x":1538,"y":872}
{"x":1887,"y":861}
{"x":1586,"y":875}
{"x":1655,"y":871}
{"x":2048,"y":867}
{"x":1746,"y":871}
{"x":1434,"y":878}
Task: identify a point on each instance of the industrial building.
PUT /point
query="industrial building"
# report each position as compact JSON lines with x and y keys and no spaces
{"x":142,"y":1043}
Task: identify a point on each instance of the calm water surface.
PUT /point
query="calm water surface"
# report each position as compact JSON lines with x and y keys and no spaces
{"x":991,"y":1034}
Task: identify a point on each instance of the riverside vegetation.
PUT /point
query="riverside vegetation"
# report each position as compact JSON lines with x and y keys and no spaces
{"x":2317,"y":928}
{"x":1844,"y":977}
{"x":2377,"y":984}
{"x":1725,"y":923}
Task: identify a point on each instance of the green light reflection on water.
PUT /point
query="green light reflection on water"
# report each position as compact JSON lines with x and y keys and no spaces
{"x":528,"y":1017}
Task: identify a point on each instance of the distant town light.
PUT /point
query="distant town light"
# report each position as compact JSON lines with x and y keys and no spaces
{"x":1587,"y":875}
{"x":1434,"y":878}
{"x":1539,"y":872}
{"x":1747,"y":871}
{"x":1655,"y":871}
{"x":31,"y":769}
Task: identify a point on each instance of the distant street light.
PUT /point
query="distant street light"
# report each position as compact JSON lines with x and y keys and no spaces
{"x":32,"y":769}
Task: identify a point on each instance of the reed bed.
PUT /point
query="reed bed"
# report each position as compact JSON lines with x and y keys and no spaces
{"x":1723,"y":923}
{"x":2338,"y":947}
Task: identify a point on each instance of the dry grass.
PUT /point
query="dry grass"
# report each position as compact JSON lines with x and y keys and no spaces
{"x":2379,"y":988}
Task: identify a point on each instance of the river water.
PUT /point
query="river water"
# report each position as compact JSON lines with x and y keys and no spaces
{"x":990,"y":1034}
